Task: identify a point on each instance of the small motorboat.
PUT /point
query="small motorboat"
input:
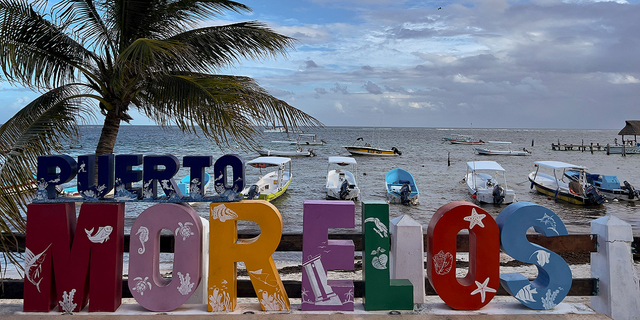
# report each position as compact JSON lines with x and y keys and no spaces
{"x":342,"y":184}
{"x":559,"y":186}
{"x":185,"y":183}
{"x":299,"y":152}
{"x":270,"y":185}
{"x":308,"y":139}
{"x":401,"y":187}
{"x":359,"y":147}
{"x":463,"y":139}
{"x":607,"y":184}
{"x":486,"y":188}
{"x":489,"y":152}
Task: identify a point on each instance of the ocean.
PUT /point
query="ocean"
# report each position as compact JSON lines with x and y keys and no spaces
{"x":438,"y":167}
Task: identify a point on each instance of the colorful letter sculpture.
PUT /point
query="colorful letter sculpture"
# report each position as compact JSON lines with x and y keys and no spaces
{"x":126,"y":176}
{"x":319,"y":255}
{"x":152,"y":174}
{"x":481,"y":283}
{"x":147,"y":285}
{"x":224,"y":184}
{"x":197,"y":164}
{"x":380,"y":292}
{"x":554,"y":275}
{"x":86,"y":176}
{"x":86,"y":258}
{"x":54,"y":170}
{"x":225,"y":250}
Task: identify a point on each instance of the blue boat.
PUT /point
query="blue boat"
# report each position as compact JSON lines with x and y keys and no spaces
{"x":401,"y":187}
{"x":608,"y":184}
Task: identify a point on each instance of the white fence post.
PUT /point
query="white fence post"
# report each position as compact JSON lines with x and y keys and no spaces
{"x":618,"y":294}
{"x":407,"y":252}
{"x":200,"y":294}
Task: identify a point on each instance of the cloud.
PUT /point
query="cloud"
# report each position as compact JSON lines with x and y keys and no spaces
{"x":417,"y":65}
{"x":280,"y":93}
{"x":616,"y":78}
{"x":309,"y":64}
{"x":372,"y":88}
{"x":21,"y":102}
{"x":462,"y":79}
{"x":339,"y":89}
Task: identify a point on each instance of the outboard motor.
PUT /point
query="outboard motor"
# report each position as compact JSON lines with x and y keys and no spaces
{"x":594,"y":195}
{"x":631,"y":189}
{"x":313,"y":154}
{"x":396,"y":151}
{"x":253,"y":192}
{"x":405,"y":191}
{"x":344,"y":190}
{"x":498,"y":194}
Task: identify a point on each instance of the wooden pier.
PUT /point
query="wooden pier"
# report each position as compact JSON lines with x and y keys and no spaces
{"x":580,"y":147}
{"x":615,"y":149}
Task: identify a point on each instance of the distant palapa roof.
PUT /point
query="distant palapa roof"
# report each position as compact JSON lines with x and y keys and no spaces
{"x":632,"y":128}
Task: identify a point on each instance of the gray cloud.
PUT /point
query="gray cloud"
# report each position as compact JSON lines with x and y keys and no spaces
{"x":427,"y":67}
{"x":309,"y":64}
{"x":372,"y":88}
{"x":339,"y":89}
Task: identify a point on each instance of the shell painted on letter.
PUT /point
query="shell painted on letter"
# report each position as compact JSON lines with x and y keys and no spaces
{"x":443,"y":262}
{"x":222,"y":213}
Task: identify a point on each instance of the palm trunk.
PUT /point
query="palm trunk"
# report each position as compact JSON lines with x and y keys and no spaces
{"x":109,"y":133}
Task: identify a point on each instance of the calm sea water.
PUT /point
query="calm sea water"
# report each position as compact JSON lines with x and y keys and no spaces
{"x":423,"y":154}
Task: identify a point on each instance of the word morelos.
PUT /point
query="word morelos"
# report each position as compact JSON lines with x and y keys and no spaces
{"x":70,"y":260}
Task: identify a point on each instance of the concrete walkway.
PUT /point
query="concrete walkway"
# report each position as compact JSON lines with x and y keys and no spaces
{"x":428,"y":311}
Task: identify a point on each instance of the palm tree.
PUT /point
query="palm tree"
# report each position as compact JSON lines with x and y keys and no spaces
{"x":112,"y":56}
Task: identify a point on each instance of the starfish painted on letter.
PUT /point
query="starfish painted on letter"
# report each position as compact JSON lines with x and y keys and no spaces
{"x":475,"y":219}
{"x":483,"y":289}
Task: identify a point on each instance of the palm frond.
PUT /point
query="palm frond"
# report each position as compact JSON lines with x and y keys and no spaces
{"x":39,"y":128}
{"x":226,"y":108}
{"x":221,"y":46}
{"x":86,"y":17}
{"x":147,"y":57}
{"x":33,"y":51}
{"x":159,"y":19}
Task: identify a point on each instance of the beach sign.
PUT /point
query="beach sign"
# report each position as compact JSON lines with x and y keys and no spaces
{"x":72,"y":262}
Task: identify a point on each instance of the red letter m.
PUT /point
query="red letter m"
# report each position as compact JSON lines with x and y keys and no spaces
{"x":86,"y":258}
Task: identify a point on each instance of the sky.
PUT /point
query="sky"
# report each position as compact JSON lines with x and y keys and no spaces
{"x":475,"y":63}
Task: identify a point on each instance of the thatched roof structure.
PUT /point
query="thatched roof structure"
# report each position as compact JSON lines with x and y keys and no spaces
{"x":631,"y":129}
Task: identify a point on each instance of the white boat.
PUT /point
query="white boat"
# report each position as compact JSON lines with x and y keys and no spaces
{"x":273,"y":184}
{"x":489,"y":152}
{"x":308,"y":139}
{"x":463,"y":139}
{"x":365,"y":149}
{"x":299,"y":152}
{"x":401,"y":187}
{"x":559,"y":186}
{"x":486,"y":188}
{"x":275,"y":129}
{"x":342,"y":184}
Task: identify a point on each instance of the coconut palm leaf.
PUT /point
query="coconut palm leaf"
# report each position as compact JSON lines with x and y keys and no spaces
{"x":33,"y":51}
{"x":39,"y":128}
{"x":235,"y":104}
{"x":221,"y":46}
